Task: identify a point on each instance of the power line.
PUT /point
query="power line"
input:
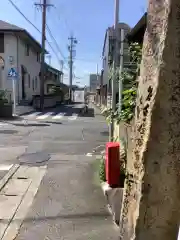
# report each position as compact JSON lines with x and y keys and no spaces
{"x":22,"y":14}
{"x":57,"y":46}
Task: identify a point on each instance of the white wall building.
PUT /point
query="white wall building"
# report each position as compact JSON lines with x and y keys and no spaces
{"x":20,"y":50}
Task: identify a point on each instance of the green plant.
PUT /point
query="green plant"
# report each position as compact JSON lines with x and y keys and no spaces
{"x":130,"y":84}
{"x":3,"y":97}
{"x":102,"y":174}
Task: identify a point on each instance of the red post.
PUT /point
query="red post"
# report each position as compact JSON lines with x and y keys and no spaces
{"x":112,"y":164}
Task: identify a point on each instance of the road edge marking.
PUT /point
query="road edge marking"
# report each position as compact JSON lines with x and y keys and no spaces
{"x":8,"y":175}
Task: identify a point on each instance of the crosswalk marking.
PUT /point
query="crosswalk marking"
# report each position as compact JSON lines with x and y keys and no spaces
{"x":73,"y":117}
{"x":34,"y":114}
{"x":5,"y":167}
{"x":46,"y":115}
{"x":58,"y":116}
{"x":55,"y":116}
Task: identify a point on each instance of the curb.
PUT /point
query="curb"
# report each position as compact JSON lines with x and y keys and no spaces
{"x":114,"y":198}
{"x":10,"y":173}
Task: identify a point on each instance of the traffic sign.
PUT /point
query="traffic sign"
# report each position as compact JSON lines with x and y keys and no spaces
{"x":12,"y":73}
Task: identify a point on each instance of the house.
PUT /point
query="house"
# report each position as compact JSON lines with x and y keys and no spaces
{"x":108,"y":54}
{"x":52,"y":78}
{"x":18,"y":49}
{"x":137,"y":32}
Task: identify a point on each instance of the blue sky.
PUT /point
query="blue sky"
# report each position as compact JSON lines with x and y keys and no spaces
{"x":87,"y":19}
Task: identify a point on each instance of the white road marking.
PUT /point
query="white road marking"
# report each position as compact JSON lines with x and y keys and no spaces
{"x":33,"y":114}
{"x":3,"y":124}
{"x":89,"y":154}
{"x":44,"y":116}
{"x":5,"y":167}
{"x":58,"y":116}
{"x":73,"y":117}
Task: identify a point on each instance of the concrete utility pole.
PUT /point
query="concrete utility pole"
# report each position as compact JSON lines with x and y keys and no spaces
{"x":71,"y":49}
{"x":62,"y":69}
{"x":121,"y":69}
{"x":44,"y":6}
{"x":115,"y":55}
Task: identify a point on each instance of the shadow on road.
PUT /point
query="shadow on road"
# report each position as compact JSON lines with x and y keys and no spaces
{"x":99,"y":215}
{"x":6,"y":131}
{"x":31,"y":124}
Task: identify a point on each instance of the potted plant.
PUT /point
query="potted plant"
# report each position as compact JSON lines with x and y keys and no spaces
{"x":5,"y":105}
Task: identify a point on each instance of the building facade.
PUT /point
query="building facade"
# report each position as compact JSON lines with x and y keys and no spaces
{"x":18,"y":49}
{"x":94,"y":82}
{"x":108,"y":55}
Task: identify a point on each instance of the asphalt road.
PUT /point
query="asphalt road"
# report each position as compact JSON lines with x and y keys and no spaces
{"x":69,"y":203}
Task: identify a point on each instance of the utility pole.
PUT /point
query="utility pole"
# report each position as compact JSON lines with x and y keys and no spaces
{"x":62,"y":69}
{"x":115,"y":55}
{"x":120,"y":70}
{"x":44,"y":6}
{"x":71,"y":49}
{"x":97,"y":76}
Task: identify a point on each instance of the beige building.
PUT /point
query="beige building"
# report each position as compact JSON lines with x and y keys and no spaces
{"x":18,"y":49}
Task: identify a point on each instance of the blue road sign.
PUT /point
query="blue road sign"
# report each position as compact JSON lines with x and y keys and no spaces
{"x":12,"y":73}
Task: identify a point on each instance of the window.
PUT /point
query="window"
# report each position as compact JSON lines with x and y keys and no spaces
{"x":27,"y":49}
{"x":29,"y":80}
{"x":38,"y":57}
{"x":1,"y":42}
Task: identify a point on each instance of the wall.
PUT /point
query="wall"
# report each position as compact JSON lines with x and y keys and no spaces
{"x":33,"y":69}
{"x":14,"y":45}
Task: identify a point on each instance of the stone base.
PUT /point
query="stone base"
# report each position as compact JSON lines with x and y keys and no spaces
{"x":114,"y":197}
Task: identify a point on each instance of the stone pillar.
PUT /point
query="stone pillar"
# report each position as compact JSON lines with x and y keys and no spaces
{"x":151,"y":205}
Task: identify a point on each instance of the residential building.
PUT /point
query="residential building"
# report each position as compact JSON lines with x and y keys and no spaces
{"x":137,"y":32}
{"x":52,"y":78}
{"x":94,"y":82}
{"x":108,"y":55}
{"x":18,"y":49}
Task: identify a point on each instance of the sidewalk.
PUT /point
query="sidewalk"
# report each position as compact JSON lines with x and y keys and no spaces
{"x":20,"y":110}
{"x":69,"y":204}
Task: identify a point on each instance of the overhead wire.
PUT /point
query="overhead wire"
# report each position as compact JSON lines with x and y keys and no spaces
{"x":22,"y":14}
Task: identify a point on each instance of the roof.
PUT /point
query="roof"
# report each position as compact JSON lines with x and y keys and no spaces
{"x":52,"y":69}
{"x":21,"y":32}
{"x":137,"y":32}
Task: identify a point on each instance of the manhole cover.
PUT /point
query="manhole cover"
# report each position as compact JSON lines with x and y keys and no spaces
{"x":33,"y":158}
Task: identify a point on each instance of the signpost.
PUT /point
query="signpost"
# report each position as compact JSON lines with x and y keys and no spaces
{"x":13,"y":75}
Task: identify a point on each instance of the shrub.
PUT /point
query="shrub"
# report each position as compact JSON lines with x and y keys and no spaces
{"x":102,"y":173}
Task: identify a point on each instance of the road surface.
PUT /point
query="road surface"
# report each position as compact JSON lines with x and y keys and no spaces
{"x":69,"y":203}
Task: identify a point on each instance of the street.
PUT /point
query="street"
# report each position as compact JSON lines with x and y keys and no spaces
{"x":65,"y":200}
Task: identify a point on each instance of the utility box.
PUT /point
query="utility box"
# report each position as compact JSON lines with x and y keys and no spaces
{"x":112,"y":164}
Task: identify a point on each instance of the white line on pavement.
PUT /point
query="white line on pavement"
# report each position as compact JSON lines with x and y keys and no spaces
{"x":33,"y":114}
{"x":46,"y":115}
{"x":73,"y":117}
{"x":58,"y":116}
{"x":5,"y":167}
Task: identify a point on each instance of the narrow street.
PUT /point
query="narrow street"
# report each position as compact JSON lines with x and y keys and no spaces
{"x":69,"y":203}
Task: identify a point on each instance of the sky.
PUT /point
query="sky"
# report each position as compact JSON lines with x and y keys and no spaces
{"x":87,"y":20}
